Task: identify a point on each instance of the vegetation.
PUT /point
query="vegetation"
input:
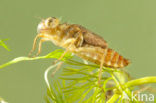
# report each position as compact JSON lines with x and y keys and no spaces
{"x":3,"y":44}
{"x":78,"y":83}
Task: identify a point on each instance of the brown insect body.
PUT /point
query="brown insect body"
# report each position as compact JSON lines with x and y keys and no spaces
{"x":80,"y":41}
{"x":94,"y":54}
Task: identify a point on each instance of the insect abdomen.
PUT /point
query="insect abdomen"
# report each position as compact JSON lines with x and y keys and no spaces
{"x":95,"y":54}
{"x":114,"y":60}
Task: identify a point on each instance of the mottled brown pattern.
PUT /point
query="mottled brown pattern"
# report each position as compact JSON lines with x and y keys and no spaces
{"x":87,"y":44}
{"x":115,"y":58}
{"x":92,"y":38}
{"x":108,"y":56}
{"x":126,"y":62}
{"x":120,"y":61}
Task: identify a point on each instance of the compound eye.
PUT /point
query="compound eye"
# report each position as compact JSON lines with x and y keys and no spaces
{"x":49,"y":22}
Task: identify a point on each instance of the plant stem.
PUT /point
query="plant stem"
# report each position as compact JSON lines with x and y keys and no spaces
{"x":140,"y":81}
{"x":46,"y":73}
{"x":19,"y":59}
{"x":121,"y":89}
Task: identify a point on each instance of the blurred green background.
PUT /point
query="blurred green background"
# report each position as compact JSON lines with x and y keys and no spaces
{"x":129,"y":27}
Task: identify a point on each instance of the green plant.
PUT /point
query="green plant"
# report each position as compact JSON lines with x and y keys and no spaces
{"x":3,"y":44}
{"x":78,"y":83}
{"x":2,"y":100}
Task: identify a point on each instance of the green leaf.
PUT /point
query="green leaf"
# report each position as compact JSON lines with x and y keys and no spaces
{"x":55,"y":54}
{"x":4,"y":45}
{"x":141,"y":81}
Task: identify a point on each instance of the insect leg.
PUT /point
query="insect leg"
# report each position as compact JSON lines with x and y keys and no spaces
{"x":34,"y":44}
{"x":100,"y":71}
{"x":57,"y":68}
{"x":40,"y":45}
{"x":79,"y":39}
{"x":66,"y":51}
{"x":70,"y":43}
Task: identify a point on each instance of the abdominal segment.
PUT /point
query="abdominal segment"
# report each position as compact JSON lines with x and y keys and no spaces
{"x":95,"y":54}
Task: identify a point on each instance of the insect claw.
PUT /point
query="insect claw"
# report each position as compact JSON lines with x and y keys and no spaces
{"x":29,"y":55}
{"x":36,"y":54}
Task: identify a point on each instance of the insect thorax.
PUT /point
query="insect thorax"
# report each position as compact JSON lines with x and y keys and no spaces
{"x":66,"y":34}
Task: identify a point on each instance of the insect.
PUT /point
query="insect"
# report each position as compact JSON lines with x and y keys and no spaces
{"x":80,"y":41}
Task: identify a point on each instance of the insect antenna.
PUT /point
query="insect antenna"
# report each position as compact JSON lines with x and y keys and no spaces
{"x":38,"y":17}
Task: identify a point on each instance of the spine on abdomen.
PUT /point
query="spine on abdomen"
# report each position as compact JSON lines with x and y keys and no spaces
{"x":110,"y":57}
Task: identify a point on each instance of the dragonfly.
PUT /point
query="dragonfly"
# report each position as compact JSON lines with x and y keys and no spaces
{"x":82,"y":42}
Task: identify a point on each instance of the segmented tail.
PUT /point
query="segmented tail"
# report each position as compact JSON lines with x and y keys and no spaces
{"x":114,"y":59}
{"x":96,"y":54}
